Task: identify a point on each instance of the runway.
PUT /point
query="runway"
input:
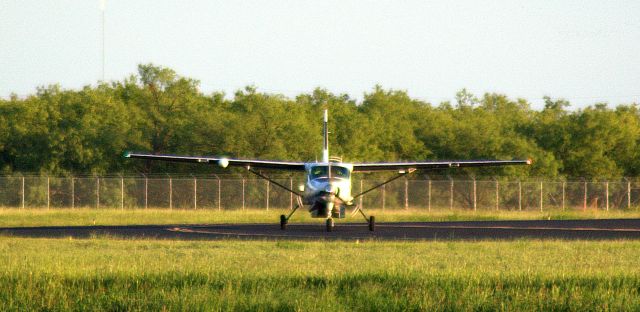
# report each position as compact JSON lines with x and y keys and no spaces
{"x":463,"y":230}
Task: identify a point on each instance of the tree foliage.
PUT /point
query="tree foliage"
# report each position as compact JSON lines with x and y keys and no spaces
{"x":58,"y":131}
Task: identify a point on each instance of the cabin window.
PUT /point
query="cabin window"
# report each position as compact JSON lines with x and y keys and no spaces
{"x":336,"y":172}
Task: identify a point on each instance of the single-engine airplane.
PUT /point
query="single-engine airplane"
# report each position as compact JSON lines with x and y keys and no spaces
{"x":327,"y":190}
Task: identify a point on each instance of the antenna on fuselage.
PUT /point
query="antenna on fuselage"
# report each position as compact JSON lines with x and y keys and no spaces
{"x":325,"y":133}
{"x":325,"y":147}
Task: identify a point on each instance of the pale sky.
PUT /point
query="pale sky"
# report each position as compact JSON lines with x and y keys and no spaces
{"x":584,"y":51}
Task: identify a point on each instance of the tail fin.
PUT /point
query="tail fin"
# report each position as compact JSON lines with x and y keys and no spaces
{"x":325,"y":130}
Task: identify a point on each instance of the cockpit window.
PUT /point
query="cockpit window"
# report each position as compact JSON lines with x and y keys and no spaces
{"x":336,"y":172}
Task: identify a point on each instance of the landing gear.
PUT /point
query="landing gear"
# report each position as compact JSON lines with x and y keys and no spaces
{"x":330,"y":224}
{"x":283,"y":222}
{"x":371,"y":220}
{"x":372,"y":223}
{"x":285,"y":219}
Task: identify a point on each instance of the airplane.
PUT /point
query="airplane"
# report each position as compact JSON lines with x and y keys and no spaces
{"x":327,"y":188}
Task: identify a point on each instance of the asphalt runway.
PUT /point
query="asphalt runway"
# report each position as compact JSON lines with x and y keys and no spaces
{"x":464,"y":230}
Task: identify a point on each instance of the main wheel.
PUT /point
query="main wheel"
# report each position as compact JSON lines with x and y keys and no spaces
{"x":330,"y":224}
{"x":283,"y":222}
{"x":372,"y":223}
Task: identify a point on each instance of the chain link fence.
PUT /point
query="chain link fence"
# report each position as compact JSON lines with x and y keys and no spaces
{"x":221,"y":192}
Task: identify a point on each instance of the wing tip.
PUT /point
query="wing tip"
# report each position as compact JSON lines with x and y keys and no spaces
{"x":529,"y":161}
{"x":126,"y":154}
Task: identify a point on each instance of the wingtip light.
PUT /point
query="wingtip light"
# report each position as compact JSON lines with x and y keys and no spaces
{"x":223,"y":162}
{"x":529,"y":161}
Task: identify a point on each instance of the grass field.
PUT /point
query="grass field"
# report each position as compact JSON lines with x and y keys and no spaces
{"x":42,"y":217}
{"x":116,"y":274}
{"x":152,"y":275}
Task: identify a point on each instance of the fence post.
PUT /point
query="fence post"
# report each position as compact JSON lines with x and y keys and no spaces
{"x":563,"y":196}
{"x":429,"y":194}
{"x":243,"y":204}
{"x":360,"y":199}
{"x":450,"y":193}
{"x":519,"y":195}
{"x":170,"y":193}
{"x":584,"y":203}
{"x":384,"y":191}
{"x":73,"y":192}
{"x":497,"y":195}
{"x":406,"y":193}
{"x":48,"y":193}
{"x":628,"y":193}
{"x":268,"y":195}
{"x":475,"y":208}
{"x":290,"y":194}
{"x":541,"y":196}
{"x":219,"y":193}
{"x":22,"y":192}
{"x":98,"y":192}
{"x":146,"y":192}
{"x":606,"y":186}
{"x":195,"y":193}
{"x":121,"y":193}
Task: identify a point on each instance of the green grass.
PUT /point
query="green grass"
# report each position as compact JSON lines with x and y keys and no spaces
{"x":112,"y":274}
{"x":59,"y":217}
{"x":115,"y":274}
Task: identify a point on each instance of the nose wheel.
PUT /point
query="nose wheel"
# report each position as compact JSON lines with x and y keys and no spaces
{"x":330,"y":224}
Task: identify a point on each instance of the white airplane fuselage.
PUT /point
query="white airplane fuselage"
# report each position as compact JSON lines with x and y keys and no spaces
{"x":327,"y":193}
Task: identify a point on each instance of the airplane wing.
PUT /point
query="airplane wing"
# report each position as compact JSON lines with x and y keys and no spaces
{"x":223,"y":162}
{"x":431,"y":165}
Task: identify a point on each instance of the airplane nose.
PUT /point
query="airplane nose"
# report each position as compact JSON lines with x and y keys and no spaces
{"x":332,"y":188}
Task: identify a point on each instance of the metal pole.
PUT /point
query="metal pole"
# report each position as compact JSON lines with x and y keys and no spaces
{"x":103,"y":30}
{"x":290,"y":194}
{"x":98,"y":192}
{"x":628,"y":194}
{"x":429,"y":195}
{"x":406,"y":193}
{"x":22,"y":192}
{"x":243,"y":204}
{"x":606,"y":185}
{"x":146,"y":192}
{"x":563,"y":196}
{"x":450,"y":193}
{"x":195,"y":193}
{"x":519,"y":195}
{"x":121,"y":193}
{"x":541,"y":198}
{"x":361,"y":183}
{"x":73,"y":192}
{"x":584,"y":204}
{"x":475,"y":208}
{"x":219,"y":195}
{"x":48,"y":193}
{"x":267,"y":195}
{"x":170,"y":193}
{"x":497,"y":195}
{"x":384,"y":191}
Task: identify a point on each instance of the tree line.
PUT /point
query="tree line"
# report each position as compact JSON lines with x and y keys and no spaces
{"x":56,"y":131}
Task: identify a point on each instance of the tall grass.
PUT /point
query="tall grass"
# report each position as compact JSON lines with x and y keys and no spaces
{"x":42,"y":217}
{"x":114,"y":274}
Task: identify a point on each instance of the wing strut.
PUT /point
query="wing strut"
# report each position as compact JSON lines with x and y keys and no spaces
{"x":272,"y":181}
{"x":371,"y":219}
{"x":402,"y":174}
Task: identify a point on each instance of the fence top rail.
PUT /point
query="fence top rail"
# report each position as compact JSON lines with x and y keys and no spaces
{"x":297,"y":177}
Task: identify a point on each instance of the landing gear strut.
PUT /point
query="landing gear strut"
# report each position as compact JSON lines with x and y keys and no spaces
{"x":330,"y":224}
{"x":371,"y":220}
{"x":285,"y":219}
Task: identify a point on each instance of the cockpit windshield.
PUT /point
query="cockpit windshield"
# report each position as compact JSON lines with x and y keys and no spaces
{"x":336,"y":172}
